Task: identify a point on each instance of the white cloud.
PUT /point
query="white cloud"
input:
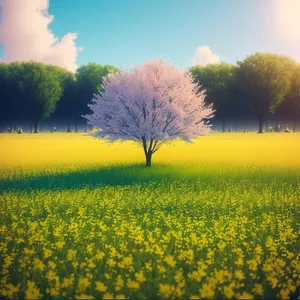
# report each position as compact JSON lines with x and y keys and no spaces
{"x":204,"y":56}
{"x":24,"y":35}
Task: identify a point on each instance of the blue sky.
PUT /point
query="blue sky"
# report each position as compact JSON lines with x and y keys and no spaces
{"x":120,"y":32}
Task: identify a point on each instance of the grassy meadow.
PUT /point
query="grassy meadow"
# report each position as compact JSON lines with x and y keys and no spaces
{"x":215,"y":219}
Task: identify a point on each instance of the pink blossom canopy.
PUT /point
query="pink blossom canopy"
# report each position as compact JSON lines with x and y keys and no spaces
{"x":151,"y":102}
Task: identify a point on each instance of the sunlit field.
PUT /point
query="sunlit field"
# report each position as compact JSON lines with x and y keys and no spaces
{"x":72,"y":148}
{"x":215,"y":219}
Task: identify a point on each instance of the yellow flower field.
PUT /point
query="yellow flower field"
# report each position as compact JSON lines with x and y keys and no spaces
{"x":72,"y":148}
{"x":215,"y":219}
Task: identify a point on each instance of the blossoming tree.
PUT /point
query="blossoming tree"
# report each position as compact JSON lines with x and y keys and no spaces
{"x":150,"y":104}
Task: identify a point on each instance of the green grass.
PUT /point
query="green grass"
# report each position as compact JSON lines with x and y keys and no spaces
{"x":91,"y":176}
{"x":205,"y":217}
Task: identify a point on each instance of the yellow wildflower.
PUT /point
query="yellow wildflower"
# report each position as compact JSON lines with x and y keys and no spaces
{"x":53,"y":291}
{"x":285,"y":293}
{"x":28,"y":251}
{"x":108,"y":296}
{"x":148,"y":266}
{"x":38,"y":264}
{"x":67,"y":282}
{"x":89,"y":249}
{"x":140,"y":276}
{"x":133,"y":284}
{"x":51,"y":275}
{"x":273,"y":281}
{"x":60,"y":244}
{"x":32,"y":292}
{"x":239,"y":261}
{"x":119,"y":284}
{"x":47,"y":253}
{"x":126,"y":262}
{"x":110,"y":262}
{"x":71,"y":254}
{"x":239,"y":275}
{"x":161,"y":269}
{"x":207,"y":291}
{"x":170,"y":261}
{"x":100,"y":286}
{"x":178,"y":291}
{"x":258,"y":249}
{"x":83,"y":297}
{"x":99,"y":255}
{"x":290,"y":255}
{"x":83,"y":284}
{"x":258,"y":289}
{"x":51,"y":265}
{"x":75,"y":264}
{"x":228,"y":292}
{"x":12,"y":290}
{"x":166,"y":290}
{"x":245,"y":296}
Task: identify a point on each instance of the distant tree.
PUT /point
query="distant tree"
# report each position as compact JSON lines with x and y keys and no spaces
{"x":290,"y":107}
{"x":63,"y":110}
{"x":219,"y":81}
{"x":266,"y":81}
{"x":14,"y":108}
{"x":40,"y":88}
{"x":5,"y":104}
{"x":88,"y":82}
{"x":151,"y":104}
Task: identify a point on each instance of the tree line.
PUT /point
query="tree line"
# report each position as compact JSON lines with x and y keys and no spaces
{"x":31,"y":92}
{"x":264,"y":88}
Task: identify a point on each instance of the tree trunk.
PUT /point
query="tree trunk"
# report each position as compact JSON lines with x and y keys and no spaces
{"x":76,"y":127}
{"x":259,"y":118}
{"x":223,"y":126}
{"x":35,"y":126}
{"x":148,"y":159}
{"x":260,"y":125}
{"x":148,"y":150}
{"x":30,"y":128}
{"x":68,"y":128}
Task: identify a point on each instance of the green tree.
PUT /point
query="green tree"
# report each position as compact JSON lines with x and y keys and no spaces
{"x":65,"y":106}
{"x":40,"y":88}
{"x":291,"y":105}
{"x":219,"y":81}
{"x":13,"y":106}
{"x":266,"y":81}
{"x":5,"y":104}
{"x":88,"y":82}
